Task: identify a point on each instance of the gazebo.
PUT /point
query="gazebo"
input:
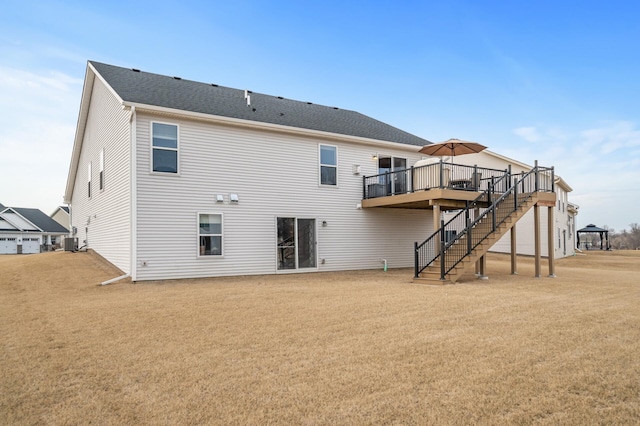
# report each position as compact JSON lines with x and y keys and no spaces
{"x":592,"y":229}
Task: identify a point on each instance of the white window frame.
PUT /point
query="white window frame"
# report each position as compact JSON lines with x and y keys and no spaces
{"x":221,"y":235}
{"x":101,"y":174}
{"x":176,"y":149}
{"x":321,"y":165}
{"x":89,"y":180}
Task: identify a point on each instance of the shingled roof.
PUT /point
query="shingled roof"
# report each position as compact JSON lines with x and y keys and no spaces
{"x":39,"y":219}
{"x":145,"y":88}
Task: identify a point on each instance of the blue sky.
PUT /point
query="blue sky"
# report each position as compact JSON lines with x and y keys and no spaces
{"x":554,"y":81}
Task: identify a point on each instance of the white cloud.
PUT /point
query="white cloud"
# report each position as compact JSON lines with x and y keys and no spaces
{"x":600,"y":162}
{"x":529,"y":134}
{"x":37,"y":126}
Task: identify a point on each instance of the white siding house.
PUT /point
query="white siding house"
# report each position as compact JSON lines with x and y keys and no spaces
{"x":171,"y":178}
{"x":176,"y":179}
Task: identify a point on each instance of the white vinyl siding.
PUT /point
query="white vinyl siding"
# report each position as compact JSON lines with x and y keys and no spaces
{"x":275,"y":175}
{"x":107,"y":214}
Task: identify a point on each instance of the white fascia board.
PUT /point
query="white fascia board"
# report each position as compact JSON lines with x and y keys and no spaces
{"x":21,"y":217}
{"x":87,"y":90}
{"x":562,"y":183}
{"x":268,"y":126}
{"x":508,"y":160}
{"x":15,"y":228}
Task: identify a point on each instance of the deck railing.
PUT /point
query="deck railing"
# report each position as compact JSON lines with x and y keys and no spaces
{"x":458,"y":237}
{"x":430,"y":176}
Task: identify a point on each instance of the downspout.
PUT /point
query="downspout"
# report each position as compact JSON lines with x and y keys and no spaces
{"x":113,"y":280}
{"x":70,"y":221}
{"x":133,"y":176}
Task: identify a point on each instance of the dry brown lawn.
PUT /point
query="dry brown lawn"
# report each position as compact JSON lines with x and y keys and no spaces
{"x":360,"y":347}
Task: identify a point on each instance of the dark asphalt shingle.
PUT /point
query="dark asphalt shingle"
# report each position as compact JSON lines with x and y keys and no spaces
{"x":163,"y":91}
{"x":41,"y":220}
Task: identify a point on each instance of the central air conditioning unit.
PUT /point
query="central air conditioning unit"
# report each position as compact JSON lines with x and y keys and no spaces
{"x":70,"y":244}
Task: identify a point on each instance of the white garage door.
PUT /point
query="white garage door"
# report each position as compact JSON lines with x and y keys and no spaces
{"x":8,"y":245}
{"x":30,"y":245}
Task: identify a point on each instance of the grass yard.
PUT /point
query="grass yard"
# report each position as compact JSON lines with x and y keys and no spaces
{"x":361,"y":347}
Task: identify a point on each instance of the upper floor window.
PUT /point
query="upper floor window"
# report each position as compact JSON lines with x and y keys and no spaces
{"x":165,"y":147}
{"x":89,"y":180}
{"x":101,"y":177}
{"x":328,"y":165}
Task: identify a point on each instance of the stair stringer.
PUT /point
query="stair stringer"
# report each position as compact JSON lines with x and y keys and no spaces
{"x":431,"y":274}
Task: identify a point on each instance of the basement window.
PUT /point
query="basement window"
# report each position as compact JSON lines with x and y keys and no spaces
{"x":164,"y":147}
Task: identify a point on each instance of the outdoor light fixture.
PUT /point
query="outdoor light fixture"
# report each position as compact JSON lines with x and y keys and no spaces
{"x":374,"y":157}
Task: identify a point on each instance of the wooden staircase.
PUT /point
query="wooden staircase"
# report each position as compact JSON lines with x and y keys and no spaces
{"x":454,"y":249}
{"x":431,"y":275}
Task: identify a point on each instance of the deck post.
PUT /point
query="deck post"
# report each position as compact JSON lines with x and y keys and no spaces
{"x":514,"y":253}
{"x":415,"y":260}
{"x":411,"y":180}
{"x":442,"y":245}
{"x":536,"y":223}
{"x":364,"y":187}
{"x":482,"y":275}
{"x":550,"y":240}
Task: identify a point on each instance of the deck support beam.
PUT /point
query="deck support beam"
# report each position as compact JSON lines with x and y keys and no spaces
{"x":536,"y":223}
{"x":436,"y":224}
{"x":550,"y":239}
{"x":514,"y":252}
{"x":482,"y":265}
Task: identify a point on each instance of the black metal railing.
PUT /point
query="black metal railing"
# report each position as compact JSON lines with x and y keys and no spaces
{"x":430,"y":176}
{"x":459,"y":236}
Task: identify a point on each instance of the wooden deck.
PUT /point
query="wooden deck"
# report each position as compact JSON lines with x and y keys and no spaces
{"x":446,"y":199}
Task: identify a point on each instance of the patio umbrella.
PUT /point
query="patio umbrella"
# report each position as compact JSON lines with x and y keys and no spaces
{"x":452,"y":147}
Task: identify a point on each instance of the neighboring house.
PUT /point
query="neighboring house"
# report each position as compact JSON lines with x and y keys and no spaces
{"x":61,"y":215}
{"x":563,"y":218}
{"x":25,"y":231}
{"x":171,"y":178}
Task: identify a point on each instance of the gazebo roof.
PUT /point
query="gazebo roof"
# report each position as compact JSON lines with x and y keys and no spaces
{"x":592,"y":228}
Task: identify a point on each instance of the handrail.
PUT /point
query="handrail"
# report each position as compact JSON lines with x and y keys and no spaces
{"x":428,"y":176}
{"x":443,"y":242}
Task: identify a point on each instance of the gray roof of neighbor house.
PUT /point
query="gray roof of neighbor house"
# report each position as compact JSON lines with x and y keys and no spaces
{"x":41,"y":220}
{"x":171,"y":92}
{"x":65,"y":208}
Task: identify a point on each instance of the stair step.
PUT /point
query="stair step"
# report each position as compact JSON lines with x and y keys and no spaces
{"x":431,"y":274}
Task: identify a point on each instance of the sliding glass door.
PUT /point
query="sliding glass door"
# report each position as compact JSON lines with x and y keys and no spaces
{"x":296,"y":243}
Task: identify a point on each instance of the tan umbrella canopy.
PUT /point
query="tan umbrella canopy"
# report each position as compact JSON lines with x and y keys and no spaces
{"x":452,"y":147}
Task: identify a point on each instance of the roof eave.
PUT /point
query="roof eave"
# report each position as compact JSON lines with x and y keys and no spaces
{"x":229,"y":121}
{"x":87,"y":89}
